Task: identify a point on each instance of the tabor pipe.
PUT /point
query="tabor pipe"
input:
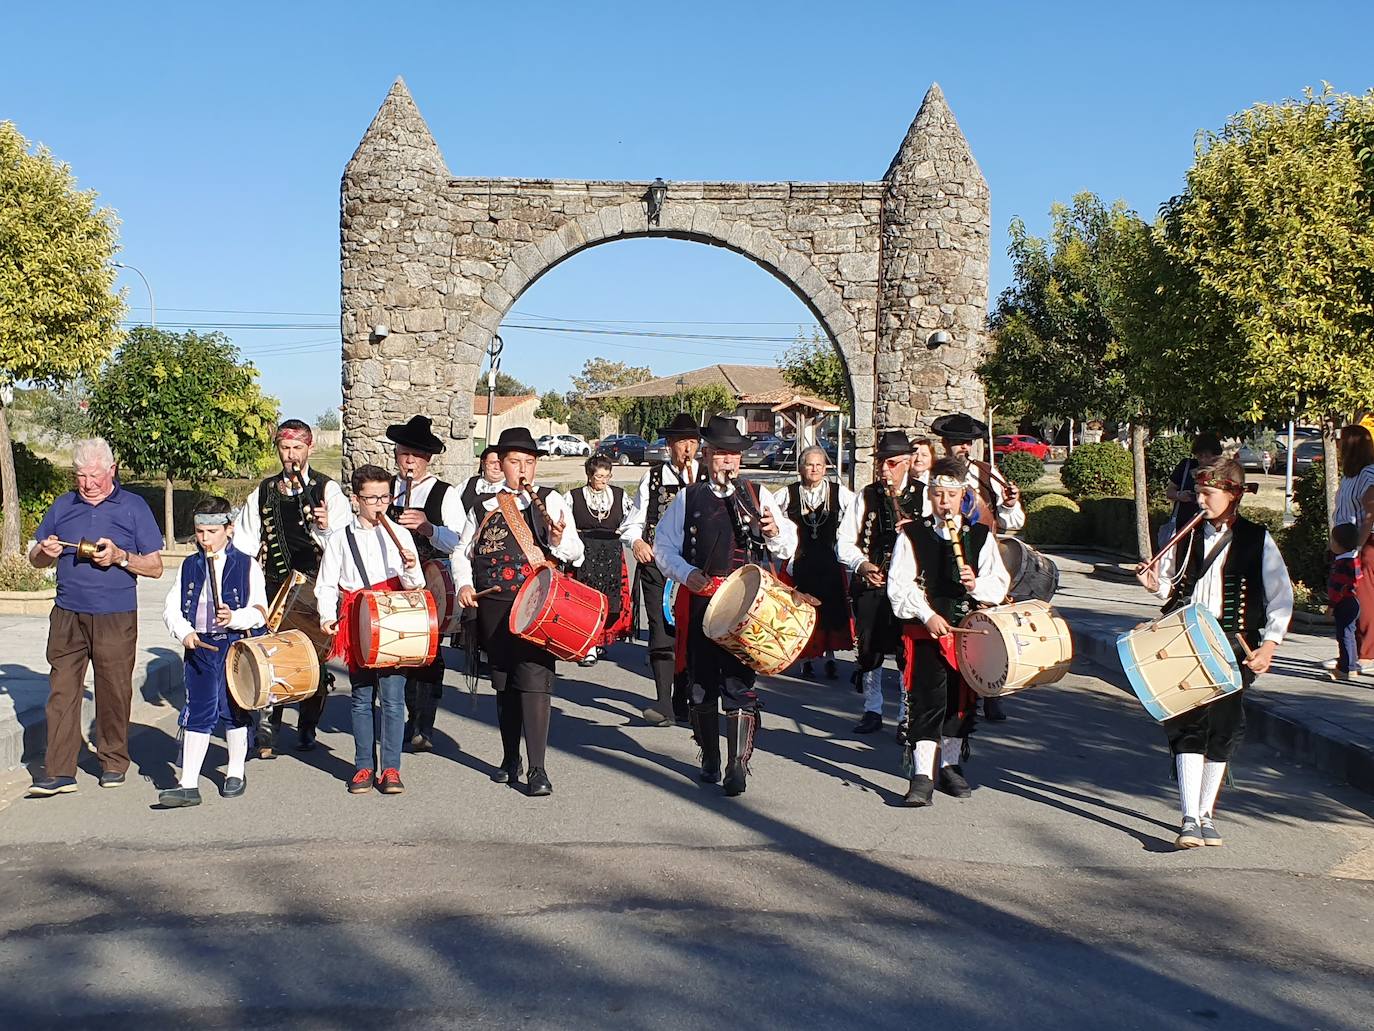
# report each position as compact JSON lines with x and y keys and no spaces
{"x":1183,"y":531}
{"x":536,"y":501}
{"x":386,"y":525}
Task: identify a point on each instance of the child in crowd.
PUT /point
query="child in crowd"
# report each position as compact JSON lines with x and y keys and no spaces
{"x":218,"y":598}
{"x":1340,"y":594}
{"x":364,"y":557}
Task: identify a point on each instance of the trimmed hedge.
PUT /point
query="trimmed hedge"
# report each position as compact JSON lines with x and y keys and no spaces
{"x":1021,"y":468}
{"x":1110,"y":523}
{"x":1098,"y":470}
{"x":1053,"y":519}
{"x":40,"y":484}
{"x":1162,"y":455}
{"x":1305,"y":543}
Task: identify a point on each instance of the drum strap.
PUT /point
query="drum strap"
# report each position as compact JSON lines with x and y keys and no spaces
{"x":515,"y":519}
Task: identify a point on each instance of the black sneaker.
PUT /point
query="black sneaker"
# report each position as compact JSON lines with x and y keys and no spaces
{"x":49,"y":786}
{"x":234,"y":786}
{"x":1190,"y":835}
{"x":111,"y":780}
{"x":1210,"y":834}
{"x":871,"y":723}
{"x":952,"y":782}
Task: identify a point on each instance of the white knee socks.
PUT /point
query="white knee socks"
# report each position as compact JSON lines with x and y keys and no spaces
{"x":951,"y":748}
{"x":923,"y":759}
{"x":873,"y":691}
{"x":194,"y":745}
{"x":1189,"y":766}
{"x":238,"y":751}
{"x":1212,"y":775}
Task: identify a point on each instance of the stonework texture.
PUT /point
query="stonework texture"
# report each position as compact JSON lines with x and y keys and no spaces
{"x":439,"y":261}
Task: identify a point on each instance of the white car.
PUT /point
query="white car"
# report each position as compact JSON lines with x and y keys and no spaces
{"x":564,"y":444}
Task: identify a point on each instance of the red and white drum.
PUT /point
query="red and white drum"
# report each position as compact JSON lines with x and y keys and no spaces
{"x":439,"y":583}
{"x":396,"y":628}
{"x":559,"y":614}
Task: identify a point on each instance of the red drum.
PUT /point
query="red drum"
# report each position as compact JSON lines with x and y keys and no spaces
{"x":439,"y":583}
{"x":561,"y":615}
{"x":396,"y":628}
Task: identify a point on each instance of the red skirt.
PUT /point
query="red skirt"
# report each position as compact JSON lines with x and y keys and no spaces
{"x":346,"y":648}
{"x":682,"y":613}
{"x":824,"y":639}
{"x":621,"y":627}
{"x":916,"y":631}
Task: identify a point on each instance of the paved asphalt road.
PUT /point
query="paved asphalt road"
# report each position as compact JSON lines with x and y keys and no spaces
{"x":636,"y":897}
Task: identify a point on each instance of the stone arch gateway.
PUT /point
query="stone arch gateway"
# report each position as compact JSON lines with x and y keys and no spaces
{"x":891,"y":269}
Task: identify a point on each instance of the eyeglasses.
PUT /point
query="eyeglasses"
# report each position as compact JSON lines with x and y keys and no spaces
{"x":374,"y":498}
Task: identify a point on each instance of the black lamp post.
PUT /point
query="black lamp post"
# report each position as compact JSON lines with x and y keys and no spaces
{"x":655,"y":195}
{"x":681,"y":397}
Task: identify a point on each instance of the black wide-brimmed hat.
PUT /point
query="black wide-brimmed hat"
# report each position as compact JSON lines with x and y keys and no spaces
{"x":415,"y":434}
{"x":959,"y":427}
{"x":683,"y":425}
{"x":516,"y":438}
{"x":721,"y":433}
{"x":892,"y":444}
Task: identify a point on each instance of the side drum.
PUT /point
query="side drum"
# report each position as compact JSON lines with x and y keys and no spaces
{"x":396,"y":628}
{"x":439,"y":582}
{"x":272,"y":669}
{"x":1032,"y":574}
{"x":1025,"y":644}
{"x":1179,"y":662}
{"x":753,"y":616}
{"x":559,"y":614}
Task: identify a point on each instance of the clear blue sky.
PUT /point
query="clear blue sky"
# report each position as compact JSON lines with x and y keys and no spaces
{"x":219,"y":133}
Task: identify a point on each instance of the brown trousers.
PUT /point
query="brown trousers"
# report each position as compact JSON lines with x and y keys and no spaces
{"x":77,"y":640}
{"x":1364,"y":593}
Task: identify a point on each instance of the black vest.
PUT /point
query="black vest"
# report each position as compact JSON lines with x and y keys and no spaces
{"x":877,"y":528}
{"x":816,"y":530}
{"x":591,"y":528}
{"x":434,"y":512}
{"x":937,"y":570}
{"x":287,"y":543}
{"x":470,"y":496}
{"x":1244,"y":602}
{"x":714,"y":537}
{"x":497,"y":558}
{"x":661,"y":496}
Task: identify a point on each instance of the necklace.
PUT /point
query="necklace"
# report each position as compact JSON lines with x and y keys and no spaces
{"x":599,"y":501}
{"x":815,"y":502}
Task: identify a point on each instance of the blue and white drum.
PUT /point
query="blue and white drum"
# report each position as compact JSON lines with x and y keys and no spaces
{"x":1179,"y":662}
{"x":669,"y":601}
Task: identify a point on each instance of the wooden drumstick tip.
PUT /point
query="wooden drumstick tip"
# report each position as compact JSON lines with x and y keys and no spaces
{"x":489,"y":590}
{"x":207,"y":646}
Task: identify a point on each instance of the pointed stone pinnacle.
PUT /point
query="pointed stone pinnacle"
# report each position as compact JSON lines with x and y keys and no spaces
{"x":399,"y":137}
{"x":934,"y":147}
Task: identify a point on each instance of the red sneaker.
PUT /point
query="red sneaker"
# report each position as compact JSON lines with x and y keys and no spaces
{"x":389,"y":783}
{"x":362,"y":781}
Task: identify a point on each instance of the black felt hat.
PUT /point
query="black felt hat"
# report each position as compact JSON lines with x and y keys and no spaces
{"x":683,"y":425}
{"x":415,"y":434}
{"x":959,"y":427}
{"x":516,"y":438}
{"x":893,"y":444}
{"x":721,"y":433}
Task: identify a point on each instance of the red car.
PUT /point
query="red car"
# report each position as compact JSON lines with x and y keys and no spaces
{"x":1010,"y":445}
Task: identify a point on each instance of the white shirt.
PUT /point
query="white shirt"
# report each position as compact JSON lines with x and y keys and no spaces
{"x":1009,"y":517}
{"x":909,"y":600}
{"x":1278,"y":590}
{"x":1350,"y":495}
{"x":812,"y":498}
{"x":339,"y":572}
{"x":632,"y":529}
{"x":668,"y":536}
{"x":851,"y":527}
{"x":569,"y":549}
{"x":253,"y":615}
{"x":445,"y":537}
{"x":248,"y":526}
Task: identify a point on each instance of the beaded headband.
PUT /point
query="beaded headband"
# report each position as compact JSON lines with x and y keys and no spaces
{"x":946,"y":481}
{"x":213,"y":518}
{"x":291,"y":433}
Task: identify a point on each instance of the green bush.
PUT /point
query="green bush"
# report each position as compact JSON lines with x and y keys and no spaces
{"x":1270,"y":518}
{"x":17,"y":575}
{"x":1305,"y":543}
{"x":40,"y":484}
{"x":1021,"y":468}
{"x":1097,"y":471}
{"x":1110,"y":523}
{"x":1162,"y":455}
{"x":1053,"y":519}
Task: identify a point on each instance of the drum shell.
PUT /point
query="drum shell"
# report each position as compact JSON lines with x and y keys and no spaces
{"x":1025,"y":644}
{"x":559,"y":614}
{"x":439,"y":582}
{"x":272,"y":669}
{"x":1179,"y":662}
{"x":754,"y":617}
{"x":396,"y":629}
{"x":1032,"y":575}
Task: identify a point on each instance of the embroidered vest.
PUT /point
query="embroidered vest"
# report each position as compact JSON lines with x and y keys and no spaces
{"x":877,"y":528}
{"x":1244,"y":603}
{"x":709,"y":541}
{"x":661,"y":496}
{"x":287,"y":543}
{"x":497,"y":558}
{"x":233,"y":582}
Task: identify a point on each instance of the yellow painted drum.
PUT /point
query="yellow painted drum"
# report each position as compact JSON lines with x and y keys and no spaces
{"x":1021,"y":645}
{"x":753,"y":616}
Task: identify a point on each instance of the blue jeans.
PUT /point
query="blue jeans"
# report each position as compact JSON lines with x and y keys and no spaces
{"x":1347,"y":616}
{"x":392,"y":692}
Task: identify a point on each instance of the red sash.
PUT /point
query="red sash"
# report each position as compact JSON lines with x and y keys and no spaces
{"x":682,"y":609}
{"x":916,"y":631}
{"x":345,"y":647}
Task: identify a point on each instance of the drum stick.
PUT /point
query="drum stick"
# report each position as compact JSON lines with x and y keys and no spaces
{"x":1245,"y":647}
{"x":965,"y":630}
{"x":206,"y":645}
{"x":489,"y":590}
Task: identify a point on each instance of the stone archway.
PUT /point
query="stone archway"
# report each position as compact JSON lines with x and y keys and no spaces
{"x":438,"y":261}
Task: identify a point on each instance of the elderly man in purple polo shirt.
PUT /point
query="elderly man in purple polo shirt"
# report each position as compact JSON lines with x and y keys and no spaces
{"x":95,"y":620}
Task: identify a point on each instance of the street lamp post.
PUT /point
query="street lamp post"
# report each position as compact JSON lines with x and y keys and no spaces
{"x":681,"y":397}
{"x":152,"y":304}
{"x":494,"y":353}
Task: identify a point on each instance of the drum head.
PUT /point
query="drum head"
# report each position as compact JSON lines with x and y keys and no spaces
{"x":983,"y":658}
{"x":731,"y":601}
{"x":1013,"y":555}
{"x":244,"y":676}
{"x":530,"y":601}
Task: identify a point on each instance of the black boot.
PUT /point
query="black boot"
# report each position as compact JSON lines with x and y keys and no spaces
{"x":739,"y":740}
{"x":706,"y":733}
{"x":682,"y":699}
{"x":269,"y":722}
{"x":952,"y":782}
{"x":920,"y":793}
{"x":992,"y":709}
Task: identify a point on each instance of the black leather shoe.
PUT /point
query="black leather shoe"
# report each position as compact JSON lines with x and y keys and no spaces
{"x":993,"y":711}
{"x":806,"y":669}
{"x":307,"y":741}
{"x":952,"y":782}
{"x":178,"y":798}
{"x":234,"y":786}
{"x":111,"y":780}
{"x":871,"y":723}
{"x":538,"y":783}
{"x":831,"y":670}
{"x":507,"y":773}
{"x":920,"y":793}
{"x":420,"y":743}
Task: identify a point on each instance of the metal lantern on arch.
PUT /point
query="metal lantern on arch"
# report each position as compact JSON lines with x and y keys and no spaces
{"x":657,"y":193}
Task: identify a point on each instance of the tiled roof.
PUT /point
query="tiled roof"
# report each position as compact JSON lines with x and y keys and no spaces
{"x":741,"y":380}
{"x":503,"y":404}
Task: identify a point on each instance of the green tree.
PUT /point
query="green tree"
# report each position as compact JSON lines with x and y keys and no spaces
{"x":59,"y":317}
{"x":647,"y":415}
{"x":601,"y":374}
{"x":327,"y":419}
{"x":181,"y":405}
{"x":552,"y":406}
{"x":60,"y":415}
{"x":509,"y":386}
{"x":813,"y":364}
{"x":1277,"y":220}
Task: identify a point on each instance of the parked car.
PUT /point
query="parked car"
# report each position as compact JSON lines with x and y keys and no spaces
{"x":657,"y":451}
{"x":769,"y":452}
{"x":832,"y":452}
{"x":1304,"y":454}
{"x":1020,"y":442}
{"x":565,"y":444}
{"x":1308,"y":450}
{"x":624,"y":448}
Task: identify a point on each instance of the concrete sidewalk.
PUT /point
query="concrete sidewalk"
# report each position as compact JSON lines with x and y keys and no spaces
{"x":24,"y":676}
{"x":1295,"y":708}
